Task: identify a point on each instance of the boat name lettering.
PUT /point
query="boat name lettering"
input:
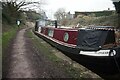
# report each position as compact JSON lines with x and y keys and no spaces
{"x":98,"y":53}
{"x":103,"y":52}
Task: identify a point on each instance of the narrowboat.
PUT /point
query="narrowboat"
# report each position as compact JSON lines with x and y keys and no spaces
{"x":97,"y":46}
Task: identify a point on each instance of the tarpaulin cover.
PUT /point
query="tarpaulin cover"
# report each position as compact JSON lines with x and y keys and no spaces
{"x":91,"y":39}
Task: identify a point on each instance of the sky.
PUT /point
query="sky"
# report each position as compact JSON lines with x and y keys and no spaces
{"x":51,"y":6}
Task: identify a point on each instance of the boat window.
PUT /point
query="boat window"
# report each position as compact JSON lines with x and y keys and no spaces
{"x":50,"y":32}
{"x":39,"y":29}
{"x":66,"y":37}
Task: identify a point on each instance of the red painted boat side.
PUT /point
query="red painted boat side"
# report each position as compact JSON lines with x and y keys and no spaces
{"x":44,"y":30}
{"x":60,"y":33}
{"x":72,"y":37}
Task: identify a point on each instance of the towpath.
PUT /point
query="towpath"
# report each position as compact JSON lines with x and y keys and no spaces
{"x":22,"y":61}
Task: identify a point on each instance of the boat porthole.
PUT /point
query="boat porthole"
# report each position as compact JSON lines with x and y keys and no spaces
{"x":66,"y":37}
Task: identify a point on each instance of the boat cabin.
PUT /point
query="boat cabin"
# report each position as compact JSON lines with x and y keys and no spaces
{"x":91,"y":38}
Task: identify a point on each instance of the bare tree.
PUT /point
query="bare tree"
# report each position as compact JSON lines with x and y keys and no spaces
{"x":61,"y":15}
{"x":14,"y":8}
{"x":20,"y":4}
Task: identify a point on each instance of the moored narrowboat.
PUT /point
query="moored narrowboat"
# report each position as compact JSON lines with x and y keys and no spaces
{"x":94,"y":45}
{"x":97,"y":46}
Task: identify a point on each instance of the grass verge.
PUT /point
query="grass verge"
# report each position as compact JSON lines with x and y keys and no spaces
{"x":7,"y":36}
{"x":0,"y":55}
{"x":5,"y":39}
{"x":43,"y":46}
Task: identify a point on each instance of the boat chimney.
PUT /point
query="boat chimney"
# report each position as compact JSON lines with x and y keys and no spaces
{"x":117,"y":7}
{"x":55,"y":23}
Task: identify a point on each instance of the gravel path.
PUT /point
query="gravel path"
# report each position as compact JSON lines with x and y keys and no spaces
{"x":22,"y":61}
{"x":20,"y":65}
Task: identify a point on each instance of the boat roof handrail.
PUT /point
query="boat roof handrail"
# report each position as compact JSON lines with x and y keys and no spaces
{"x":102,"y":28}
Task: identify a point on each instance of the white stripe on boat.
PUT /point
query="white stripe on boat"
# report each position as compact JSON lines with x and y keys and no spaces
{"x":98,"y":53}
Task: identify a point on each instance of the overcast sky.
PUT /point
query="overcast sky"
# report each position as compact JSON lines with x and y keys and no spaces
{"x":76,"y":5}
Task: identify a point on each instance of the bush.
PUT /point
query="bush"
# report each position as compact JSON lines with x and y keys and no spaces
{"x":111,"y":20}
